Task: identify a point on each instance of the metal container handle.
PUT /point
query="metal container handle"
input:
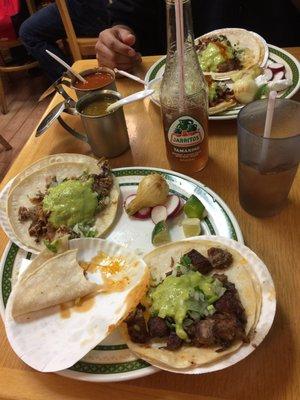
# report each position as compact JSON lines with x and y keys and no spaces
{"x":70,"y":109}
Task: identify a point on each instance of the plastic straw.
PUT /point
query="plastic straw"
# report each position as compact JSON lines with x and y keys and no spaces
{"x":64,"y":64}
{"x":270,"y":112}
{"x":180,"y":48}
{"x":267,"y":130}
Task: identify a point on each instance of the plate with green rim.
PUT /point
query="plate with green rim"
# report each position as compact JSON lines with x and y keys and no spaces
{"x":276,"y":55}
{"x":111,"y":360}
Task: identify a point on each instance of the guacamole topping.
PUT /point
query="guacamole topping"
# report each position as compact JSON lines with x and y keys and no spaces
{"x":177,"y":296}
{"x":213,"y":55}
{"x":71,"y":202}
{"x":212,"y":91}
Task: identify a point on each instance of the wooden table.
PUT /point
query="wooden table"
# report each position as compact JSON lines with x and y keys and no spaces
{"x":273,"y":371}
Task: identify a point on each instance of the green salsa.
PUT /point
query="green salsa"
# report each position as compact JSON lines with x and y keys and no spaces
{"x":175,"y":296}
{"x":215,"y":54}
{"x":212,"y":91}
{"x":71,"y":202}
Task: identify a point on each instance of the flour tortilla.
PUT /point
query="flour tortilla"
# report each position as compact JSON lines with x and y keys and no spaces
{"x":49,"y":341}
{"x":160,"y":262}
{"x":253,"y":45}
{"x":58,"y":280}
{"x":25,"y":188}
{"x":223,"y":106}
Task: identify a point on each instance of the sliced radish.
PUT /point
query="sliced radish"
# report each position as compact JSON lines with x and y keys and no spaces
{"x":179,"y":209}
{"x":172,"y":205}
{"x":276,"y":67}
{"x":159,"y":213}
{"x":143,"y":213}
{"x":129,"y":200}
{"x":268,"y":74}
{"x":278,"y":76}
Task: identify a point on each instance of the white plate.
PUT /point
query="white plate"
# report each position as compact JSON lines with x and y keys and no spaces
{"x":276,"y":55}
{"x":111,"y":361}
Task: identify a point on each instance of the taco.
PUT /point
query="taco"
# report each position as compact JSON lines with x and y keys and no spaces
{"x":202,"y":305}
{"x":220,"y":96}
{"x":74,"y":198}
{"x":64,"y":305}
{"x":223,"y":52}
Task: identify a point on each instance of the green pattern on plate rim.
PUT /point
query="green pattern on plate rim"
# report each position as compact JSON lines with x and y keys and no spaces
{"x":287,"y":58}
{"x":128,"y":366}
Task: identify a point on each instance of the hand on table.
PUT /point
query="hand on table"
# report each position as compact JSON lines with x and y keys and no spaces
{"x":114,"y":48}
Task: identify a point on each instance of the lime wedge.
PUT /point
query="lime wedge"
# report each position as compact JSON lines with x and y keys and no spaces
{"x":191,"y":227}
{"x":160,"y":234}
{"x":193,"y":208}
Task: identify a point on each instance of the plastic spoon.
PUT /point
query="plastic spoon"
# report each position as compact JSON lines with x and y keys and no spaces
{"x":130,"y":76}
{"x":130,"y":99}
{"x":64,"y":64}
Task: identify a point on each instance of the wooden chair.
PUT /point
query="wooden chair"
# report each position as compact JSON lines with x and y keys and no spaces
{"x":79,"y":47}
{"x":4,"y":69}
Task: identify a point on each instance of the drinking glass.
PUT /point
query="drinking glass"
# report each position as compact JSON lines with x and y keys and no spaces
{"x":267,"y":166}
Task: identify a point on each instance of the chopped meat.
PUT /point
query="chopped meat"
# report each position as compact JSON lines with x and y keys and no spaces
{"x":199,"y":262}
{"x":38,"y":229}
{"x":230,"y":65}
{"x":158,"y":327}
{"x":174,"y":342}
{"x":222,"y":278}
{"x":227,"y":329}
{"x":24,"y":214}
{"x":104,"y":168}
{"x":38,"y":198}
{"x":137,"y":328}
{"x":230,"y":303}
{"x":219,"y":258}
{"x":50,"y":181}
{"x":203,"y":333}
{"x":102,"y":185}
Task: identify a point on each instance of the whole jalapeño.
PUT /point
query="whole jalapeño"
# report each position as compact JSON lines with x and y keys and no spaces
{"x":185,"y":116}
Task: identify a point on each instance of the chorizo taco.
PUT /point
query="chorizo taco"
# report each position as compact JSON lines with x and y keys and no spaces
{"x":223,"y":52}
{"x":77,"y":198}
{"x":202,"y":305}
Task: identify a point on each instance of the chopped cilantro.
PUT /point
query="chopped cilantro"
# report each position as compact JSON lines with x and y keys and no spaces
{"x":52,"y":246}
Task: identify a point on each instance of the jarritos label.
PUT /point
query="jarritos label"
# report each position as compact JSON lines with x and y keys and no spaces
{"x":185,"y":135}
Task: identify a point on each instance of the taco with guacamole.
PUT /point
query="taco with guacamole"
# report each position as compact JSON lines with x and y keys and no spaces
{"x":223,"y":52}
{"x":74,"y":198}
{"x":203,"y":304}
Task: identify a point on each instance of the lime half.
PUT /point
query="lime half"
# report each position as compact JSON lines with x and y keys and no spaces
{"x":193,"y":208}
{"x":191,"y":227}
{"x":160,"y":234}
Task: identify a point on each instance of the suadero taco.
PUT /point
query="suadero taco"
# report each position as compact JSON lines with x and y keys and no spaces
{"x":223,"y":52}
{"x":76,"y":198}
{"x":203,"y":304}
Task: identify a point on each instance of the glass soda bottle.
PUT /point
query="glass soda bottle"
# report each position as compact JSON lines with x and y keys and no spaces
{"x":185,"y":119}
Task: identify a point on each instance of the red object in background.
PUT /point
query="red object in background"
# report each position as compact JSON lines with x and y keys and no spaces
{"x":8,"y":8}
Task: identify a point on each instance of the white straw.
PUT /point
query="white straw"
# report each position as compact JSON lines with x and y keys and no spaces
{"x":64,"y":64}
{"x":130,"y":76}
{"x":180,"y":48}
{"x":268,"y":129}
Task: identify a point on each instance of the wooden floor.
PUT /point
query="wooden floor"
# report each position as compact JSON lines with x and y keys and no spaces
{"x":24,"y":112}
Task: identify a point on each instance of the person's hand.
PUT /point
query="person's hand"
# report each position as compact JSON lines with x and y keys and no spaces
{"x":114,"y":48}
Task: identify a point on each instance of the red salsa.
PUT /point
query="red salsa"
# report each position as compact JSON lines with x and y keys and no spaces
{"x":95,"y":80}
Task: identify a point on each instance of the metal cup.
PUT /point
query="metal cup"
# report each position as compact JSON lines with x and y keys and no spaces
{"x":82,"y":92}
{"x":106,"y":134}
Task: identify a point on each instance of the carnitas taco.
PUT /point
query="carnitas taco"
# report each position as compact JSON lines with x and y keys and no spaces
{"x":203,"y":304}
{"x":74,"y":198}
{"x":220,"y":96}
{"x":223,"y":52}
